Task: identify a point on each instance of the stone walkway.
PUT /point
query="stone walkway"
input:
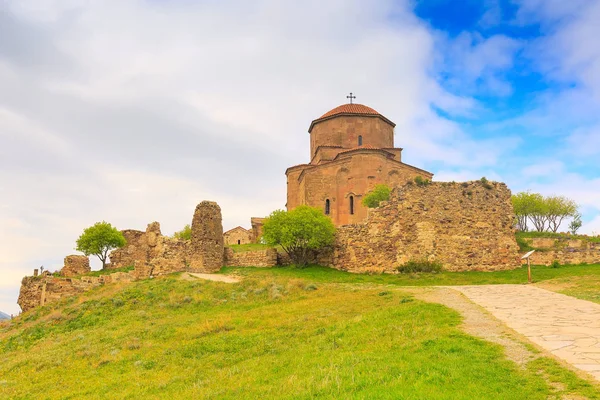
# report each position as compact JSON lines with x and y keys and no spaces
{"x":567,"y":327}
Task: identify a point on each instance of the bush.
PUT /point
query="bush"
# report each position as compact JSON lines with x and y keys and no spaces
{"x":485,"y":183}
{"x":420,"y":181}
{"x":420,"y":266}
{"x":555,"y":264}
{"x":184,"y":234}
{"x":377,"y":195}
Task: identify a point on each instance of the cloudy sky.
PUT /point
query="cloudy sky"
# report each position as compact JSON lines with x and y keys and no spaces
{"x":132,"y":111}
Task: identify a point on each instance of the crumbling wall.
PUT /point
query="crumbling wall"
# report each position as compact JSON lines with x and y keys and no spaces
{"x":466,"y":226}
{"x":257,"y":228}
{"x":258,"y":258}
{"x":564,"y":250}
{"x":39,"y":290}
{"x":206,"y":246}
{"x":75,"y":265}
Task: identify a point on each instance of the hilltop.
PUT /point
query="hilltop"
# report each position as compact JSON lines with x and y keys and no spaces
{"x":4,"y":315}
{"x":279,"y":333}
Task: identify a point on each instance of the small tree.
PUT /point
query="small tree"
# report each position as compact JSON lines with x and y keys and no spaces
{"x":184,"y":234}
{"x":99,"y":239}
{"x":300,"y":232}
{"x":559,"y":208}
{"x":377,"y":195}
{"x":575,"y":224}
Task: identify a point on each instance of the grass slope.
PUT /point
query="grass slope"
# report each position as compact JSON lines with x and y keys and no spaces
{"x":270,"y":336}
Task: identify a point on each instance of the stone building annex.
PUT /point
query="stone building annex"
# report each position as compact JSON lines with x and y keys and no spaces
{"x":351,"y":151}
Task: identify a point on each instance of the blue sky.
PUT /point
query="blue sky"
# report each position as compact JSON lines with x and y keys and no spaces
{"x":133,"y":111}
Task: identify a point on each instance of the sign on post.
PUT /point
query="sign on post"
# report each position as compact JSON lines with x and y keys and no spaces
{"x":526,"y":256}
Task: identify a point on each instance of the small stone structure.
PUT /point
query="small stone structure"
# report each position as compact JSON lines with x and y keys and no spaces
{"x":237,"y":235}
{"x":206,"y":245}
{"x":257,"y":228}
{"x":466,"y":226}
{"x":564,"y":250}
{"x":259,"y":258}
{"x":75,"y":265}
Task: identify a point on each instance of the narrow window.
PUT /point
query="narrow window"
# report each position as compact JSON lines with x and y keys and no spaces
{"x":360,"y":140}
{"x":239,"y":242}
{"x":351,"y":205}
{"x":327,"y":207}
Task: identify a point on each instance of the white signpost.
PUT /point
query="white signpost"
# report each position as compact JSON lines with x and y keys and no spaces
{"x":526,"y":256}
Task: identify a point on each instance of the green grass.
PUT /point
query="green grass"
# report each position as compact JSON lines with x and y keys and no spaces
{"x":109,"y":271}
{"x":330,"y":275}
{"x":552,"y":235}
{"x":239,"y":248}
{"x":268,"y":337}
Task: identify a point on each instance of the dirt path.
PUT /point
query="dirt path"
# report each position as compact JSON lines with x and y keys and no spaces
{"x":213,"y":277}
{"x":567,"y":327}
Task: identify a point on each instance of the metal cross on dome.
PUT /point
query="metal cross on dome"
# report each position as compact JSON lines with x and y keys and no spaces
{"x":350,"y":97}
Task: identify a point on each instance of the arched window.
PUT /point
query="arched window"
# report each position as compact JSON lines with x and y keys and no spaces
{"x":351,"y":205}
{"x":360,"y":140}
{"x":327,"y":207}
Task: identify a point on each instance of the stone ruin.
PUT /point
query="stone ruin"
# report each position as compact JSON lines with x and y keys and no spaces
{"x":75,"y":265}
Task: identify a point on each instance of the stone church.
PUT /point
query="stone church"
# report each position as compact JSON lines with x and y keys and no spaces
{"x":351,"y":151}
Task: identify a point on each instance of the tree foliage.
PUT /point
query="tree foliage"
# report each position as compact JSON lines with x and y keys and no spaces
{"x":184,"y":234}
{"x":301,"y":232}
{"x":99,"y":239}
{"x":544,"y":213}
{"x":377,"y":195}
{"x":575,"y":224}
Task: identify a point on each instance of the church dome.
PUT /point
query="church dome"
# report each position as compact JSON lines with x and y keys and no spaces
{"x":350,"y":109}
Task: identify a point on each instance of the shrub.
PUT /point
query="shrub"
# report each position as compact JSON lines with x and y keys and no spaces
{"x":420,"y":181}
{"x":555,"y":264}
{"x":423,"y":265}
{"x":184,"y":234}
{"x":377,"y":195}
{"x":485,"y":183}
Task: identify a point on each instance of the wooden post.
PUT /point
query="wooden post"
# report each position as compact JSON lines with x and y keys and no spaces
{"x":528,"y":270}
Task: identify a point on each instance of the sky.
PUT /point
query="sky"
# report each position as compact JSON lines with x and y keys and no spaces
{"x":133,"y":111}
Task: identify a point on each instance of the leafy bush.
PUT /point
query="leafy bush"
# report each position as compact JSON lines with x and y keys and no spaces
{"x":555,"y":264}
{"x":486,"y":184}
{"x":301,"y":232}
{"x":377,"y":195}
{"x":184,"y":234}
{"x":423,"y":265}
{"x":420,"y":181}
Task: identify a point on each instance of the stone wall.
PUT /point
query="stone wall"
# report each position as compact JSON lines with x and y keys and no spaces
{"x":75,"y":265}
{"x":206,"y":245}
{"x":564,"y":250}
{"x":465,"y":226}
{"x":39,"y":290}
{"x":259,"y":258}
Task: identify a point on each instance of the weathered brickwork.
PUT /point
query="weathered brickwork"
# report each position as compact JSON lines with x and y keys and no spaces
{"x":352,"y":151}
{"x":259,"y":258}
{"x":257,"y":228}
{"x":237,"y":235}
{"x":39,"y":290}
{"x":564,"y":250}
{"x":75,"y":265}
{"x":206,"y":247}
{"x":464,"y":226}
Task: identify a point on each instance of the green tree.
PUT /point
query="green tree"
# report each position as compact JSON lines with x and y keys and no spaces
{"x":525,"y":204}
{"x":559,"y":208}
{"x":575,"y":224}
{"x":377,"y":195}
{"x":184,"y":234}
{"x":301,"y":232}
{"x":99,"y":239}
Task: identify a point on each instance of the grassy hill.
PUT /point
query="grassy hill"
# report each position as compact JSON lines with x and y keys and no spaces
{"x":278,"y":334}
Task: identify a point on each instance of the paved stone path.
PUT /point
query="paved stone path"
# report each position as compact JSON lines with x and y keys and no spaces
{"x":567,"y":327}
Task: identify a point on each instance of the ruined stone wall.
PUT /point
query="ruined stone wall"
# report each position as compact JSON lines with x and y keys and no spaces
{"x":564,"y":250}
{"x":464,"y":226}
{"x":75,"y":265}
{"x":259,"y":258}
{"x":206,"y":247}
{"x":257,"y":228}
{"x":39,"y":290}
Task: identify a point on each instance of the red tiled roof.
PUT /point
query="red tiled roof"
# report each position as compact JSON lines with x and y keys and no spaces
{"x":346,"y":109}
{"x":350,"y":109}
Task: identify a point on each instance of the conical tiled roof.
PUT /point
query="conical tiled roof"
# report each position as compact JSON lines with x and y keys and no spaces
{"x":350,"y":109}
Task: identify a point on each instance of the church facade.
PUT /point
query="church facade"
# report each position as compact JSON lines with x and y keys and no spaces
{"x":351,"y":151}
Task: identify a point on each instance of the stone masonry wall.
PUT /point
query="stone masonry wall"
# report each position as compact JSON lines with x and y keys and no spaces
{"x":564,"y":250}
{"x":465,"y":226}
{"x":206,"y":254}
{"x":75,"y":265}
{"x":39,"y":290}
{"x":259,"y":258}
